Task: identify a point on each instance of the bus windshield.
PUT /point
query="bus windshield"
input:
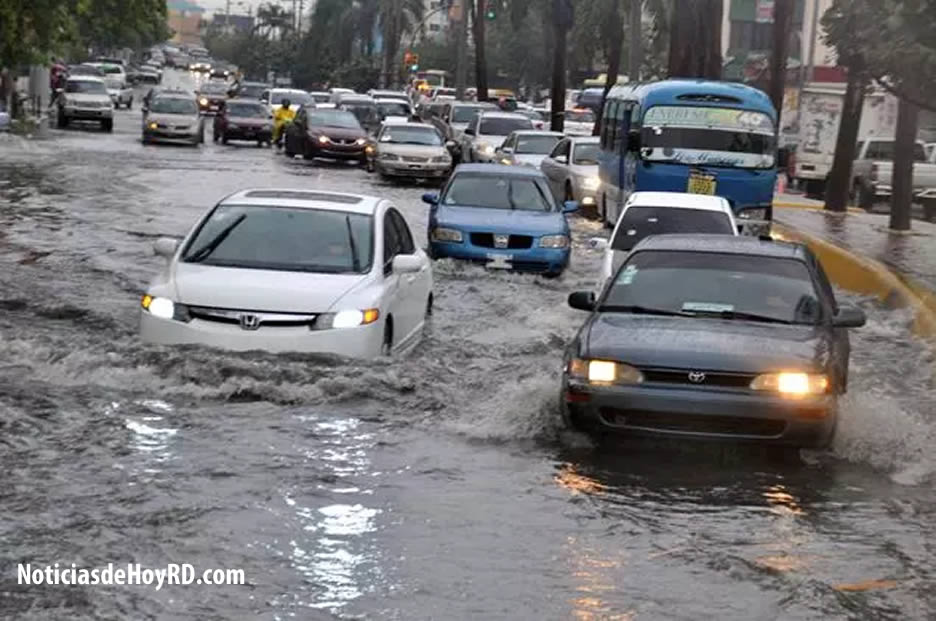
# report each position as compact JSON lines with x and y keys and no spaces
{"x":698,"y":135}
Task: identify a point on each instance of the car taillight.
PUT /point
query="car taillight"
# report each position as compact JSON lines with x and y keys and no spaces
{"x":874,"y":170}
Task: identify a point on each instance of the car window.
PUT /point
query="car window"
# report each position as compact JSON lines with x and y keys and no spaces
{"x":281,"y":238}
{"x":250,"y":110}
{"x":536,"y":145}
{"x":586,"y":154}
{"x":85,"y":86}
{"x":823,"y":280}
{"x":639,"y":222}
{"x":173,"y":105}
{"x":498,"y":192}
{"x":404,"y":236}
{"x":393,"y":108}
{"x":391,"y":239}
{"x":500,"y":126}
{"x":715,"y":284}
{"x":410,"y":134}
{"x":333,"y":118}
{"x":562,"y":148}
{"x":464,"y":114}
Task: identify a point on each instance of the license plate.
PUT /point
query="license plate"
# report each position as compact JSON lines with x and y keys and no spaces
{"x":499,"y":261}
{"x":700,"y":183}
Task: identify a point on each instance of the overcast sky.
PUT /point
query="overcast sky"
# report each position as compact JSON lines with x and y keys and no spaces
{"x":239,"y":6}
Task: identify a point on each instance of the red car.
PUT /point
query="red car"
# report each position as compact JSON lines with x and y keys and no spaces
{"x":243,"y":119}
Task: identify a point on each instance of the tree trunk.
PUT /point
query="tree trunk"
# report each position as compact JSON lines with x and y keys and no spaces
{"x":695,"y":40}
{"x":614,"y":57}
{"x":902,"y":182}
{"x":480,"y":57}
{"x":636,"y":39}
{"x":560,"y":52}
{"x":783,"y":22}
{"x":838,"y":185}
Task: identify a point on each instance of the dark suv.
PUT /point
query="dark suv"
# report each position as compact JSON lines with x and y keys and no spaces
{"x":326,"y":132}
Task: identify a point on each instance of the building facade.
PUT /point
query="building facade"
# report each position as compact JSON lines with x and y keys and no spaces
{"x":184,"y":21}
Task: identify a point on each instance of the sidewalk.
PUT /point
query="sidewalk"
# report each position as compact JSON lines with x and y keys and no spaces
{"x":862,"y":255}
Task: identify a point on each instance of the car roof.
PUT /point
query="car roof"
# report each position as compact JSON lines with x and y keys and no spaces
{"x":537,"y":132}
{"x":305,"y":199}
{"x":402,"y":123}
{"x":388,"y":100}
{"x":245,"y":100}
{"x":499,"y":170}
{"x":86,"y":78}
{"x":723,"y":244}
{"x":585,"y":139}
{"x":288,"y":90}
{"x":504,"y":115}
{"x":682,"y":200}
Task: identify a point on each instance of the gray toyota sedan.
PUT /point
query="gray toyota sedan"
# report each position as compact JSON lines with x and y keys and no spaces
{"x":711,"y":337}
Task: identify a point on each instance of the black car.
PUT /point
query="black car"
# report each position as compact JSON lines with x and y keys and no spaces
{"x":712,"y":337}
{"x":211,"y":97}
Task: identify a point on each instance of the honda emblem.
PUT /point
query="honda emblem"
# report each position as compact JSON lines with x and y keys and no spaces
{"x":696,"y":377}
{"x":249,"y":322}
{"x":501,"y":241}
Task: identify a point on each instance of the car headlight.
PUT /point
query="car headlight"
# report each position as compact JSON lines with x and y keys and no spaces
{"x":346,"y":319}
{"x":592,"y":183}
{"x":324,"y":139}
{"x":792,"y":384}
{"x":753,"y":214}
{"x":164,"y":308}
{"x":387,"y":157}
{"x":233,"y":126}
{"x":603,"y":372}
{"x":442,"y":234}
{"x":506,"y":161}
{"x":203,"y":101}
{"x":486,"y":149}
{"x":554,"y":241}
{"x":152,"y":125}
{"x":442,"y":159}
{"x":360,"y":142}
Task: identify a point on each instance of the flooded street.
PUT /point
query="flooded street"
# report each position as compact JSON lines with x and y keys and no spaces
{"x":434,"y":486}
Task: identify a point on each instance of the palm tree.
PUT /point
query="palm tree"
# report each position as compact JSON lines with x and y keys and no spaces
{"x":396,"y":18}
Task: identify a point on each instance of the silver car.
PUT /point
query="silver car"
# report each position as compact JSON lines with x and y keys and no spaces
{"x":572,"y":169}
{"x":173,"y":117}
{"x":527,"y":147}
{"x":411,"y":150}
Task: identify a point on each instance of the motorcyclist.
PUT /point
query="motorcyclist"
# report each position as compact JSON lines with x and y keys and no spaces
{"x":283,"y":115}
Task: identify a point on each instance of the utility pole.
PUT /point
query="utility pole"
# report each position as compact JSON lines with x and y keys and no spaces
{"x":299,"y":18}
{"x":636,"y":45}
{"x":227,"y":15}
{"x":461,"y":47}
{"x":563,"y":17}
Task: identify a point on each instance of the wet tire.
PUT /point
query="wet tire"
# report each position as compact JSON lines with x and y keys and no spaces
{"x":259,"y":144}
{"x":386,"y":348}
{"x":604,"y":212}
{"x":570,"y":419}
{"x":865,"y":197}
{"x":429,"y":306}
{"x":130,"y":104}
{"x":369,"y":167}
{"x":929,"y":209}
{"x":62,"y":120}
{"x":569,"y":194}
{"x":225,"y":139}
{"x":107,"y":125}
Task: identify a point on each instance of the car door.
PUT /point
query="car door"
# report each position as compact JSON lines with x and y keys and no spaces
{"x":413,"y":288}
{"x":554,"y":169}
{"x":296,"y":131}
{"x":394,"y":291}
{"x":840,"y":342}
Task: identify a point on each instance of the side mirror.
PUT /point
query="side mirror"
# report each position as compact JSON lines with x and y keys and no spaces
{"x":633,"y":141}
{"x":598,"y":243}
{"x":506,"y":149}
{"x":430,"y":198}
{"x":570,"y":207}
{"x":469,"y":131}
{"x":166,"y":246}
{"x":849,"y":317}
{"x":406,"y":264}
{"x":582,"y":300}
{"x":450,"y":144}
{"x":562,"y":159}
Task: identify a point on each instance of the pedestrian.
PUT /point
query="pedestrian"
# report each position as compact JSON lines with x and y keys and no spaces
{"x":283,"y":115}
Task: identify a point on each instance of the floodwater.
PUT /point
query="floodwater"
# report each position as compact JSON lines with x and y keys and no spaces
{"x":435,"y":486}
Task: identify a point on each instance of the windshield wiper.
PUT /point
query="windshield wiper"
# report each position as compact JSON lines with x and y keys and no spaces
{"x":726,"y":314}
{"x":646,"y":310}
{"x":513,"y":205}
{"x":355,"y":261}
{"x":205,"y":251}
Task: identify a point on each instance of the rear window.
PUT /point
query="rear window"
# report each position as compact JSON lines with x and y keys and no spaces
{"x":503,"y":126}
{"x":884,"y":150}
{"x":639,"y":222}
{"x":537,"y":145}
{"x":497,"y":192}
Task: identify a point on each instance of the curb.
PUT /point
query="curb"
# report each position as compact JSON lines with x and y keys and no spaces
{"x":869,"y":277}
{"x":811,"y":206}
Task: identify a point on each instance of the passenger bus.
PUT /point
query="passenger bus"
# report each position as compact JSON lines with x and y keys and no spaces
{"x":434,"y":77}
{"x":697,"y":136}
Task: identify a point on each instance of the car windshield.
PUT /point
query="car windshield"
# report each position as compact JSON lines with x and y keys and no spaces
{"x":247,"y":110}
{"x":85,"y":70}
{"x":110,"y":69}
{"x":333,"y":118}
{"x":498,"y":192}
{"x":114,"y":83}
{"x":364,"y":112}
{"x":214,"y":88}
{"x":586,"y":154}
{"x":714,"y":284}
{"x":580,"y":116}
{"x":464,"y":114}
{"x":883,"y":150}
{"x":640,"y":221}
{"x":321,"y":97}
{"x":501,"y":126}
{"x":251,"y":90}
{"x":85,"y":86}
{"x":428,"y":136}
{"x":714,"y":136}
{"x":393,"y":108}
{"x":296,"y":98}
{"x":280,"y":238}
{"x":538,"y":145}
{"x":173,"y":105}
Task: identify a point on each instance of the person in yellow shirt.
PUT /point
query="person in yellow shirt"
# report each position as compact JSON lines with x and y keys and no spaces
{"x":283,"y":115}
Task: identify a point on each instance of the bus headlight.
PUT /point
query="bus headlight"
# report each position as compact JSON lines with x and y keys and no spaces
{"x":759,"y":213}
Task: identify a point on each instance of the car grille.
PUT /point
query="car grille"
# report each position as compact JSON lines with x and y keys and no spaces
{"x":262,"y":319}
{"x":693,"y":423}
{"x":514,"y":242}
{"x":344,"y":141}
{"x":415,"y":160}
{"x":681,"y":376}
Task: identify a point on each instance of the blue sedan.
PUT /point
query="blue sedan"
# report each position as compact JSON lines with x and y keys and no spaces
{"x":500,"y":216}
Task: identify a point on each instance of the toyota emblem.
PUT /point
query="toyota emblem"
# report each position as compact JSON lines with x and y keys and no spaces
{"x":501,"y":241}
{"x":696,"y":377}
{"x":249,"y":322}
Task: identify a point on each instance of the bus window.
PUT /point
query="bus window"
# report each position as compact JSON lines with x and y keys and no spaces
{"x":607,"y":124}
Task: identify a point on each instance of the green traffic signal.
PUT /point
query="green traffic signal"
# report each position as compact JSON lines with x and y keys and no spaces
{"x":491,"y":14}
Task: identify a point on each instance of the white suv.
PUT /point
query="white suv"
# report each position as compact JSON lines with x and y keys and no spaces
{"x":85,"y":98}
{"x":488,"y":131}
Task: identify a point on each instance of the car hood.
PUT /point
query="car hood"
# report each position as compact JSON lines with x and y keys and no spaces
{"x":337,"y":132}
{"x":411,"y":150}
{"x":706,"y":344}
{"x":171,"y":119}
{"x":260,"y":290}
{"x":516,"y":221}
{"x":529,"y":159}
{"x":88,"y":97}
{"x":249,"y":121}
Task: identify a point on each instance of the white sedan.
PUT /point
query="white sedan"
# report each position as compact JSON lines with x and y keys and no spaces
{"x":293,"y":270}
{"x":658,"y":213}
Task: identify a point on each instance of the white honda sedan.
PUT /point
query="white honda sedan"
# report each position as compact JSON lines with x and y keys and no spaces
{"x":293,"y":270}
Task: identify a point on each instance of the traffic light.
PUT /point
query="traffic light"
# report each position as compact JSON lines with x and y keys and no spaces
{"x":491,"y":13}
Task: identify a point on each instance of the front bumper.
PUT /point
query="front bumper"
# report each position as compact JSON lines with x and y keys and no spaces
{"x":170,"y":136}
{"x":703,"y":414}
{"x":337,"y":151}
{"x":404,"y":169}
{"x":362,"y":342}
{"x":89,"y":114}
{"x":212,"y":107}
{"x":535,"y":259}
{"x":885,"y":191}
{"x":249,"y":133}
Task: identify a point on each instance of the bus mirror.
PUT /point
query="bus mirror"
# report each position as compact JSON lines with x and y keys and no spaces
{"x":633,"y":141}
